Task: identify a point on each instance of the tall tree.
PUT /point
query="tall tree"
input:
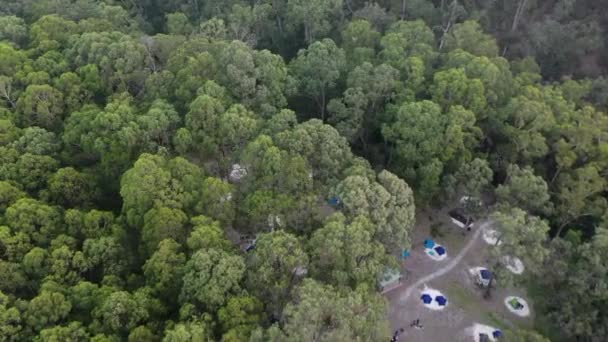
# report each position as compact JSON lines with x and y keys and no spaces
{"x":320,"y":312}
{"x":387,"y":202}
{"x":162,"y":223}
{"x":210,"y":278}
{"x":312,"y":16}
{"x":275,"y":267}
{"x":471,"y":179}
{"x":164,"y":270}
{"x":425,"y":142}
{"x":346,"y":254}
{"x":359,"y":113}
{"x":317,"y":70}
{"x":576,"y":275}
{"x":326,"y":151}
{"x":579,"y":195}
{"x":470,"y":37}
{"x":525,"y":190}
{"x":155,"y":181}
{"x":519,"y":235}
{"x":41,"y":105}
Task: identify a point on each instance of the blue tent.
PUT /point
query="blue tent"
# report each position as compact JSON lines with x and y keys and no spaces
{"x":405,"y":254}
{"x":485,"y":274}
{"x":426,"y":298}
{"x":429,"y":243}
{"x":440,"y":250}
{"x":334,"y":201}
{"x":441,"y":300}
{"x":497,"y":333}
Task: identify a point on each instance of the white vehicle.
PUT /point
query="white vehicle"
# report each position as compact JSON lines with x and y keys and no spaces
{"x":460,"y":219}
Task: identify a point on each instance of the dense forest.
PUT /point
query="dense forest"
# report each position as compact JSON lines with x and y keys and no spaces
{"x":139,"y":137}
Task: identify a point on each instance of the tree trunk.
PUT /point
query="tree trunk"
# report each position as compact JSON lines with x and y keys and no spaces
{"x":488,"y":292}
{"x":388,"y":156}
{"x":196,"y":7}
{"x":448,"y":25}
{"x":349,"y":6}
{"x":403,"y":9}
{"x":280,"y":25}
{"x":307,"y":34}
{"x":363,"y":143}
{"x":557,"y":172}
{"x":518,"y":13}
{"x":561,"y":228}
{"x":322,"y":105}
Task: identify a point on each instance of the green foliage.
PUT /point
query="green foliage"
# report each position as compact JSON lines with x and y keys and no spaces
{"x":471,"y":179}
{"x":207,"y":234}
{"x":164,"y":269}
{"x":317,"y":69}
{"x":357,"y":314}
{"x":155,"y":181}
{"x":240,"y":317}
{"x":71,"y":188}
{"x":39,"y":221}
{"x":274,"y":268}
{"x":312,"y":16}
{"x":428,"y":142}
{"x":163,"y":223}
{"x":469,"y":37}
{"x":13,"y":29}
{"x":46,"y":309}
{"x":210,"y":277}
{"x":525,"y":190}
{"x":120,"y":312}
{"x":388,"y":202}
{"x":518,"y":235}
{"x":40,"y":105}
{"x":346,"y":254}
{"x":576,"y":311}
{"x":9,"y":194}
{"x":524,"y":336}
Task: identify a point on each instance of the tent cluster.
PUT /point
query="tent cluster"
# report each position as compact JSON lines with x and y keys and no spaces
{"x":434,"y":250}
{"x":428,"y":299}
{"x":485,"y":333}
{"x":496,"y":334}
{"x":433,"y":299}
{"x":515,"y":304}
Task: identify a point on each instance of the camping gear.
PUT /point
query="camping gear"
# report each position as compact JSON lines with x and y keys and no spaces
{"x":405,"y":254}
{"x":459,"y":218}
{"x":390,"y":279}
{"x":515,"y":304}
{"x":497,"y":333}
{"x":485,"y":274}
{"x":440,"y":250}
{"x":483,"y":277}
{"x":484,"y":338}
{"x":441,"y":300}
{"x":334,"y":201}
{"x":426,"y":298}
{"x":429,"y":243}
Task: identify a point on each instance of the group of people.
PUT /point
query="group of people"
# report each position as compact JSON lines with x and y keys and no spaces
{"x":415,"y":323}
{"x":396,"y":335}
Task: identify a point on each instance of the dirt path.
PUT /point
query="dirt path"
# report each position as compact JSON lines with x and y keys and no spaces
{"x":447,"y":268}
